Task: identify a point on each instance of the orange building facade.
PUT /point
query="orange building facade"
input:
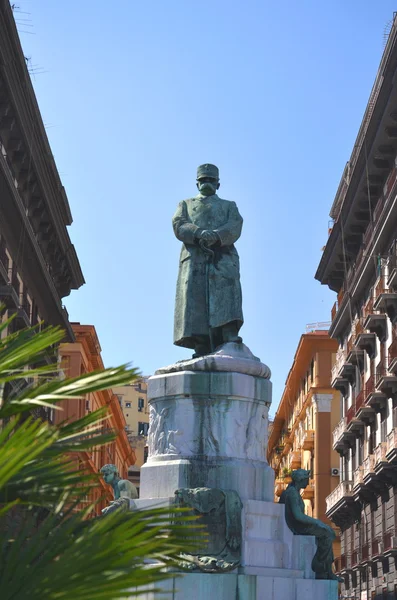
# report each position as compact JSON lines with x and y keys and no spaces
{"x":306,"y":416}
{"x":77,"y":358}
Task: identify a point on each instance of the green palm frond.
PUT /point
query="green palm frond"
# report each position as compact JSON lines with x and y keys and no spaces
{"x":49,"y":550}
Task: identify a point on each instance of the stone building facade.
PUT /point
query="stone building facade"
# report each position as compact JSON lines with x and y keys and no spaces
{"x":359,"y":262}
{"x":308,"y":411}
{"x":77,"y":358}
{"x":38,"y":262}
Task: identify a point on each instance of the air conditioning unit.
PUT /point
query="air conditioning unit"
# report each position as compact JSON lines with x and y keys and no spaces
{"x":335,"y":472}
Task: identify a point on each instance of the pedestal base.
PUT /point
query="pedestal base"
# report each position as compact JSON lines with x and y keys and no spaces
{"x":236,"y":586}
{"x":275,"y":564}
{"x":250,"y":478}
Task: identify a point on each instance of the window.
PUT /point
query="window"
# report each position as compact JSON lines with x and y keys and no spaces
{"x":141,"y":404}
{"x":143,"y":428}
{"x":128,"y":404}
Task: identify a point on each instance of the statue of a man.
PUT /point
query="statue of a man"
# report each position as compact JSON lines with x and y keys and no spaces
{"x":208,"y":306}
{"x":301,"y":524}
{"x":123,"y":489}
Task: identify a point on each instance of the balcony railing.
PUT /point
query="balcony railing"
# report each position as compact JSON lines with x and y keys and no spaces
{"x":360,"y":399}
{"x":341,"y":293}
{"x":393,"y":350}
{"x":308,"y":439}
{"x":339,"y":429}
{"x":368,"y":308}
{"x":334,"y":310}
{"x":369,"y":386}
{"x":345,"y":488}
{"x":380,"y":452}
{"x":358,"y":476}
{"x":296,"y":459}
{"x":381,"y":371}
{"x":308,"y":492}
{"x":339,"y":361}
{"x":350,"y":414}
{"x":391,"y":440}
{"x":368,"y":465}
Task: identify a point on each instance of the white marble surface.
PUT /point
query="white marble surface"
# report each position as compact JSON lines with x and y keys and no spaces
{"x":250,"y":479}
{"x":230,"y":357}
{"x":238,"y":586}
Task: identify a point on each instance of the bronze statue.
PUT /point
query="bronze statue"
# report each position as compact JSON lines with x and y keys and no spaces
{"x":208,"y":306}
{"x":123,"y":489}
{"x":301,"y":524}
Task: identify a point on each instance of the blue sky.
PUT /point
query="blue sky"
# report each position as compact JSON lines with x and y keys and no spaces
{"x":135,"y":95}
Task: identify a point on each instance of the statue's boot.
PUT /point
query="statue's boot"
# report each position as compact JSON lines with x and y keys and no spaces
{"x":230,"y":334}
{"x":201,"y":347}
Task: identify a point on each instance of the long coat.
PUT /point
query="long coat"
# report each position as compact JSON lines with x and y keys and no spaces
{"x":208,"y":292}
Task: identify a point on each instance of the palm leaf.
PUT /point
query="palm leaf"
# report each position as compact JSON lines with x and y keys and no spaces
{"x":49,"y":550}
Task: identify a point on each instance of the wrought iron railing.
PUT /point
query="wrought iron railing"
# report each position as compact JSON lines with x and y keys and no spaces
{"x":369,"y":386}
{"x":360,"y":399}
{"x":392,"y":353}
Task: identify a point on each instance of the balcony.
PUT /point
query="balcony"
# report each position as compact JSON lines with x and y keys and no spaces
{"x":373,"y":397}
{"x":356,"y":358}
{"x":376,"y":323}
{"x":341,"y":492}
{"x":353,"y":423}
{"x":296,"y":459}
{"x":385,"y":382}
{"x":392,"y":357}
{"x":385,"y":470}
{"x":386,"y":300}
{"x":334,"y":310}
{"x":8,"y":296}
{"x":339,"y":362}
{"x":368,"y":467}
{"x":365,"y":554}
{"x":341,"y":507}
{"x":308,"y":492}
{"x":341,"y":384}
{"x":367,"y":342}
{"x":280,"y":486}
{"x":364,"y":413}
{"x":391,"y":446}
{"x":358,"y":477}
{"x":308,"y":439}
{"x":342,"y":438}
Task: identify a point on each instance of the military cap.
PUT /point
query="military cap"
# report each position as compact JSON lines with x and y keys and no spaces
{"x":207,"y":170}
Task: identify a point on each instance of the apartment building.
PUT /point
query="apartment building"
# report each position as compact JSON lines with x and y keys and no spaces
{"x":134,"y":404}
{"x":38,"y":262}
{"x":307,"y":413}
{"x":359,"y":262}
{"x":77,"y":358}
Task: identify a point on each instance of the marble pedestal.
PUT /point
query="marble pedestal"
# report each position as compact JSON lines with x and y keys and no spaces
{"x":208,"y":428}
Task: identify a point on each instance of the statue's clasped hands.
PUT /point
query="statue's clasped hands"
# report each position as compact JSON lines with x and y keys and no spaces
{"x":209,"y":238}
